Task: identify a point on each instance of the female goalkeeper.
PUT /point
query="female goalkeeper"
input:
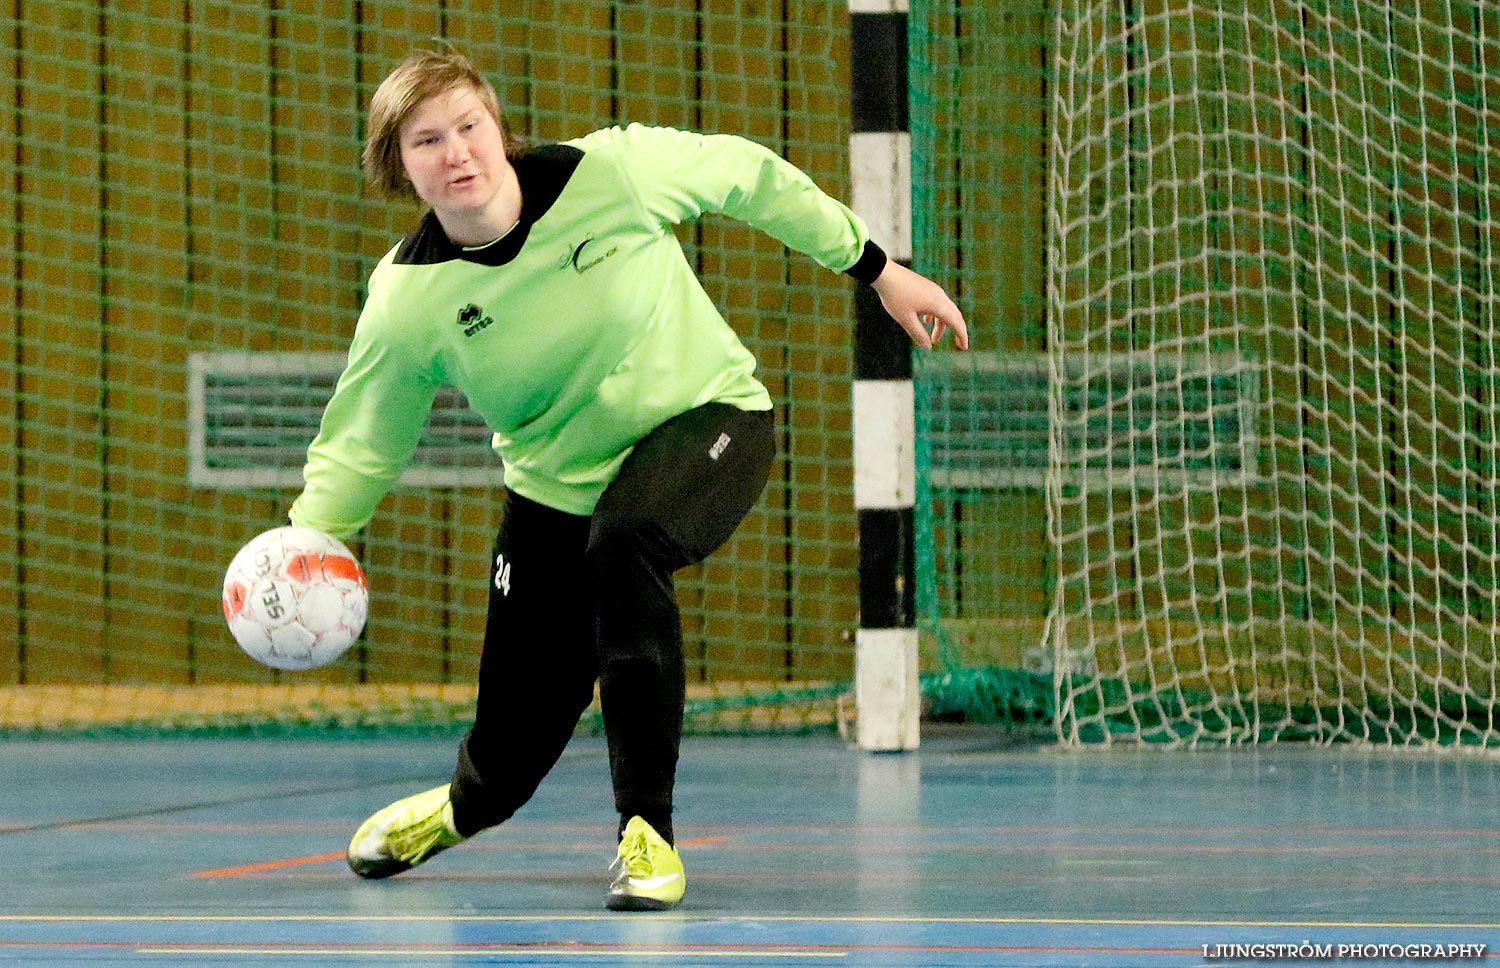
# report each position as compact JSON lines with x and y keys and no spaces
{"x":546,"y":284}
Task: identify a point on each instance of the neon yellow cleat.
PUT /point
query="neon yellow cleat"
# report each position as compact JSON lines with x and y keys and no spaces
{"x":651,"y":877}
{"x":404,"y":834}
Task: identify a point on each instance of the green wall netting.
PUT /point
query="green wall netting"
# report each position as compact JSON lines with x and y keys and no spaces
{"x":1220,"y":467}
{"x":185,"y":206}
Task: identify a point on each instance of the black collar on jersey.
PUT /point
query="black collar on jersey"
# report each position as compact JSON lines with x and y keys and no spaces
{"x":542,"y":171}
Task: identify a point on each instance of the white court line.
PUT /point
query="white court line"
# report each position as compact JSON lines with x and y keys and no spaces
{"x":493,"y":952}
{"x":706,"y":919}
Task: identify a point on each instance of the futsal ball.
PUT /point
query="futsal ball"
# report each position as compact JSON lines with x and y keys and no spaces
{"x":295,"y":598}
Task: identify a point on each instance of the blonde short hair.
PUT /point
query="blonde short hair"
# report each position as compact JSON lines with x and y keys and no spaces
{"x":423,"y":74}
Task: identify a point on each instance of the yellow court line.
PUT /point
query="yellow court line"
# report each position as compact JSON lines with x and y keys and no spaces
{"x":776,"y":919}
{"x":492,"y":952}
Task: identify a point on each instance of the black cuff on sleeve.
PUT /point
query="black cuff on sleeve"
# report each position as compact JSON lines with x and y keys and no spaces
{"x":870,"y":265}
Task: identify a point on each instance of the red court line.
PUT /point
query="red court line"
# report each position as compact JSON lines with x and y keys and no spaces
{"x":273,"y":865}
{"x":269,"y":865}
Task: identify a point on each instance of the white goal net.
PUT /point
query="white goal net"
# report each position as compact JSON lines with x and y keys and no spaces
{"x":1274,"y":383}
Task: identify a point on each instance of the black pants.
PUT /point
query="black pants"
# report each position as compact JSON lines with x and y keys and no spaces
{"x":574,"y":599}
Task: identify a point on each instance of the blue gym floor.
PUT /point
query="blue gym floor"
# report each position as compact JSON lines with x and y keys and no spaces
{"x":975,"y":851}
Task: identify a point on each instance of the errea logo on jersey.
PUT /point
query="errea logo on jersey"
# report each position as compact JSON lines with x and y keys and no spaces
{"x":473,"y":319}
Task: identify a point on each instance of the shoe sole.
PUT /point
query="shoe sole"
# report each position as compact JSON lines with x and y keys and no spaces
{"x":629,"y":902}
{"x":374,"y":870}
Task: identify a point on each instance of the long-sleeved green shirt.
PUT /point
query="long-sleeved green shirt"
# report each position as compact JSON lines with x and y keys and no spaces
{"x":578,"y":332}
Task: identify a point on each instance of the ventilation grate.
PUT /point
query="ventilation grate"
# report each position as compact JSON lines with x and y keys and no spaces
{"x":1138,"y":421}
{"x":252,"y":415}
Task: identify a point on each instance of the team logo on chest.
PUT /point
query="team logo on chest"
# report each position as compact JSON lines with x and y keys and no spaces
{"x":473,"y":319}
{"x":584,"y":256}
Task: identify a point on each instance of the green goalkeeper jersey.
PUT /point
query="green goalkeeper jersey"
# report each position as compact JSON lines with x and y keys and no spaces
{"x":578,"y":332}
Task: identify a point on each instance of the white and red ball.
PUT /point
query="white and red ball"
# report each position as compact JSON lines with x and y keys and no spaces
{"x":295,"y":598}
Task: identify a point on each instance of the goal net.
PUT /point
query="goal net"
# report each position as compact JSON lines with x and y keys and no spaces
{"x":1273,"y":382}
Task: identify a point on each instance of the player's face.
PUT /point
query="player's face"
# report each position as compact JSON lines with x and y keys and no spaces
{"x":453,"y":153}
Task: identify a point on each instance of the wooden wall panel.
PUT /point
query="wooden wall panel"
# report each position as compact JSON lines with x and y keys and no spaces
{"x":315,"y":142}
{"x":146,"y":605}
{"x":11,"y":235}
{"x":61,"y":423}
{"x":497,"y":44}
{"x":656,"y":50}
{"x":232,"y":281}
{"x":571,"y":68}
{"x":824,"y":534}
{"x":745,"y":621}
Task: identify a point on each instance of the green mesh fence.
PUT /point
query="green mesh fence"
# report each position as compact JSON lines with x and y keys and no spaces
{"x":1221,"y":467}
{"x":186,"y":251}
